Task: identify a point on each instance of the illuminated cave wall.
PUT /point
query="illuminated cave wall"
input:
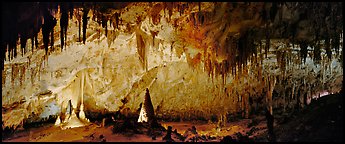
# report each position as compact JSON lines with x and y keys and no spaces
{"x":197,"y":60}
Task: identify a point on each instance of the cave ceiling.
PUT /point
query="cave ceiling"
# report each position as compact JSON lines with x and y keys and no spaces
{"x":222,"y":32}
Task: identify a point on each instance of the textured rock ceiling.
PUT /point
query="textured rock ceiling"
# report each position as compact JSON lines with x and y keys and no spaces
{"x":197,"y":59}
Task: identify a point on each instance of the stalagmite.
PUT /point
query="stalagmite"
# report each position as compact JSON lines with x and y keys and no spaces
{"x":147,"y":113}
{"x":70,"y":120}
{"x":82,"y":113}
{"x":69,"y":111}
{"x":58,"y":121}
{"x":167,"y":137}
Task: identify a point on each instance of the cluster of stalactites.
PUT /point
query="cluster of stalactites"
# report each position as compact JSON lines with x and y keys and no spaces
{"x":240,"y":50}
{"x":14,"y":29}
{"x":327,"y":25}
{"x":42,"y":17}
{"x":225,"y":53}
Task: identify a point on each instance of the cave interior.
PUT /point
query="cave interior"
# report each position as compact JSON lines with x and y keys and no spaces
{"x":172,"y":71}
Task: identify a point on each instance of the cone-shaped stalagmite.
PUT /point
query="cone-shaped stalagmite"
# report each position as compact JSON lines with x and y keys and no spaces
{"x":58,"y":121}
{"x":147,"y":111}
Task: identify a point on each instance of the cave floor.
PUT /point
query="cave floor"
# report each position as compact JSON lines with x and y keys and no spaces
{"x":322,"y":120}
{"x":93,"y":132}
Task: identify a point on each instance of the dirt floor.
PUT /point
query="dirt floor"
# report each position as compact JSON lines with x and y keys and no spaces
{"x":322,"y":121}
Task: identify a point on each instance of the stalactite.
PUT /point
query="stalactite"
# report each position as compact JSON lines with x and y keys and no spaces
{"x":79,"y":24}
{"x":141,"y":49}
{"x":32,"y":75}
{"x":180,"y":9}
{"x":15,"y":72}
{"x":104,"y":24}
{"x":224,"y":72}
{"x":106,"y":29}
{"x":63,"y":24}
{"x":209,"y":67}
{"x":328,"y":48}
{"x":194,"y":20}
{"x":71,"y":8}
{"x":13,"y":49}
{"x":52,"y":36}
{"x":23,"y":43}
{"x":117,"y":15}
{"x":111,"y":22}
{"x":93,"y":11}
{"x":260,"y":46}
{"x":22,"y":75}
{"x":342,"y":59}
{"x":323,"y":69}
{"x":85,"y":19}
{"x":32,"y":44}
{"x":235,"y":70}
{"x":82,"y":113}
{"x":38,"y":74}
{"x":155,"y":13}
{"x":45,"y":38}
{"x":336,"y":43}
{"x":153,"y":34}
{"x":12,"y":74}
{"x":317,"y":53}
{"x":47,"y":27}
{"x":4,"y":74}
{"x":304,"y":51}
{"x":36,"y":42}
{"x":267,"y":46}
{"x":281,"y":60}
{"x":170,"y":10}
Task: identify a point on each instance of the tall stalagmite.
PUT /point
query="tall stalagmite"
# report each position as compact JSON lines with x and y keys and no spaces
{"x":147,"y":113}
